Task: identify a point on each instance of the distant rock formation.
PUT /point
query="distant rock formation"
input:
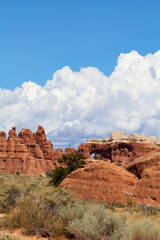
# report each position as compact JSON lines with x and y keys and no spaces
{"x":120,"y":148}
{"x":29,"y":153}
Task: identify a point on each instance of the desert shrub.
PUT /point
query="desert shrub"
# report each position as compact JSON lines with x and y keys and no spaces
{"x":33,"y":216}
{"x":17,"y":173}
{"x":38,"y":212}
{"x":97,"y":224}
{"x":9,"y":195}
{"x":129,"y":203}
{"x":142,"y":230}
{"x":72,"y":162}
{"x":148,"y":210}
{"x":58,"y":175}
{"x":72,"y":212}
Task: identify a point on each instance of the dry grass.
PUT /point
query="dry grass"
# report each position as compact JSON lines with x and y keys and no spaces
{"x":53,"y":213}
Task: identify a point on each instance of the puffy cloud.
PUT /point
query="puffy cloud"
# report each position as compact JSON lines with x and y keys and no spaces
{"x":74,"y":106}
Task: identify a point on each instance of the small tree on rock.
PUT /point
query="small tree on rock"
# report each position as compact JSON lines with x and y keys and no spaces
{"x":72,"y":162}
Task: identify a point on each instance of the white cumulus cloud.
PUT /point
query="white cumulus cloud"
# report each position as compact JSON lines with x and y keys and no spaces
{"x":75,"y":106}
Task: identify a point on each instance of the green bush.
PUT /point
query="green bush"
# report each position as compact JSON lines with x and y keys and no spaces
{"x":17,"y":173}
{"x":72,"y":162}
{"x":58,"y":175}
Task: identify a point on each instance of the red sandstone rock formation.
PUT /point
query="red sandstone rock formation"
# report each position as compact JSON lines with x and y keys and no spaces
{"x":121,"y":149}
{"x":101,"y":181}
{"x":138,"y":180}
{"x":2,"y":134}
{"x":58,"y":153}
{"x":28,"y":153}
{"x":69,"y":151}
{"x":12,"y":133}
{"x":84,"y":150}
{"x":104,"y":181}
{"x":148,"y":161}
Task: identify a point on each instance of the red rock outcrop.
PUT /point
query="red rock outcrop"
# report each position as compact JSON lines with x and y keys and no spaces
{"x":28,"y":153}
{"x":12,"y":133}
{"x":120,"y":148}
{"x":58,"y":153}
{"x":2,"y":134}
{"x":147,"y":169}
{"x":69,"y":151}
{"x":84,"y":150}
{"x":137,"y":166}
{"x":103,"y":181}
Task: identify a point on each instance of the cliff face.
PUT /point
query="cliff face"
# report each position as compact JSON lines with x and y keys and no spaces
{"x":29,"y":153}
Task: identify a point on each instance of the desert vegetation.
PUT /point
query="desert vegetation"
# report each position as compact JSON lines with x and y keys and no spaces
{"x":28,"y":203}
{"x":71,"y":162}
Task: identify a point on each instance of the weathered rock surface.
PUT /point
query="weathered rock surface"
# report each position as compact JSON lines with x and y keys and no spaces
{"x":103,"y":181}
{"x":28,"y":153}
{"x":84,"y":150}
{"x":137,"y":166}
{"x":121,"y":149}
{"x":147,"y":169}
{"x":69,"y":151}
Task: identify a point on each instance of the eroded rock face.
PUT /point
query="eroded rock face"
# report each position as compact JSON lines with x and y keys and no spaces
{"x":121,"y":149}
{"x":28,"y":153}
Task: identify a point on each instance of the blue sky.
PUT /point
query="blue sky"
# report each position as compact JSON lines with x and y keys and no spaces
{"x":80,"y":68}
{"x":38,"y":37}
